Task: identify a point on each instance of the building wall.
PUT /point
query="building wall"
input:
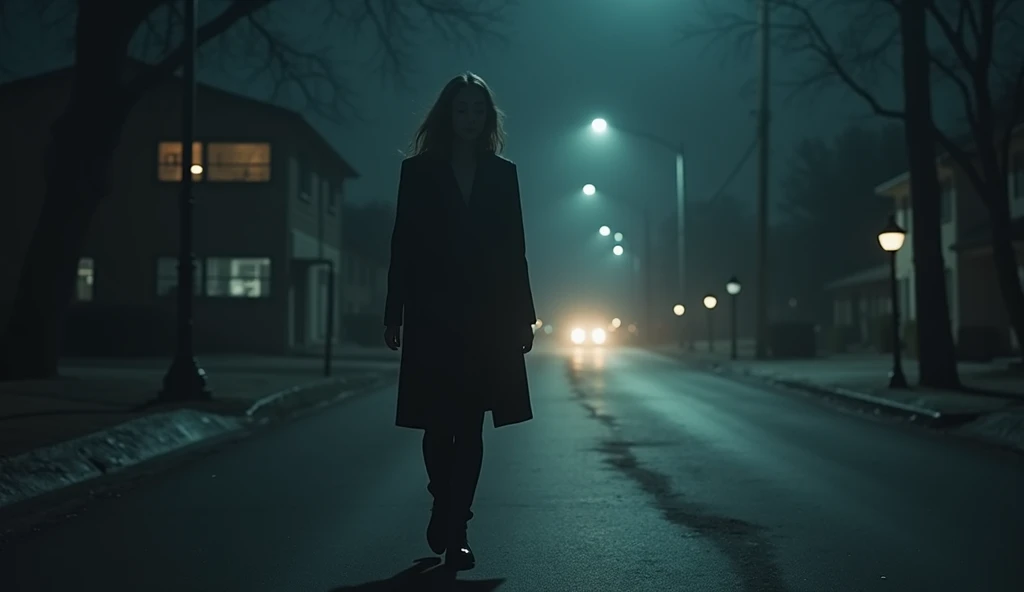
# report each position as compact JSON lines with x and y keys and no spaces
{"x":137,"y":225}
{"x":905,"y":256}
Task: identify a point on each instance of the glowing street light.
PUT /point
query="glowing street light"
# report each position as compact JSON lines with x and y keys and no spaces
{"x":678,"y":310}
{"x":710,"y":302}
{"x":733,"y":288}
{"x":616,"y":322}
{"x":589,"y":189}
{"x":618,"y":237}
{"x":891,"y":240}
{"x":604,"y":231}
{"x":618,"y":250}
{"x":599,"y":125}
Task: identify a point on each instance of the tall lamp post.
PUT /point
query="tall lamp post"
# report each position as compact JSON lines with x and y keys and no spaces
{"x":891,"y":240}
{"x":185,"y":380}
{"x":733,"y":288}
{"x":710,"y":302}
{"x":600,"y":126}
{"x":679,"y":310}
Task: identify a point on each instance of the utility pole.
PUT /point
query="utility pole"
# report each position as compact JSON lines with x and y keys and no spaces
{"x":763,"y":118}
{"x":647,"y":271}
{"x":681,"y":232}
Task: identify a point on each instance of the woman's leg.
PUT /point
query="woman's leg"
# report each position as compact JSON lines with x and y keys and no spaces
{"x":468,"y":459}
{"x":438,"y":453}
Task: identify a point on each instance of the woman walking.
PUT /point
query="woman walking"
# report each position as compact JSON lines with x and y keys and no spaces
{"x":459,"y":301}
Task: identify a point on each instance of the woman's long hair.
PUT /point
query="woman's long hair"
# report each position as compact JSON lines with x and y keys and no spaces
{"x":436,"y":133}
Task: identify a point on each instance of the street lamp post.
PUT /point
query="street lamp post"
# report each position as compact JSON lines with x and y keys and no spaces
{"x":891,"y":240}
{"x":600,"y":126}
{"x":710,"y":302}
{"x":185,"y":380}
{"x":679,"y":310}
{"x":733,"y":288}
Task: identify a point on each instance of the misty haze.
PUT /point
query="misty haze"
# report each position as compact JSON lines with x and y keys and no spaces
{"x":512,"y":295}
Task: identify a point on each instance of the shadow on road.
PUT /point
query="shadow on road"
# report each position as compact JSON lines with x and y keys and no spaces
{"x":426,"y":575}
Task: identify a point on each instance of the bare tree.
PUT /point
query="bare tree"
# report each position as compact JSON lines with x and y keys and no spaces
{"x":108,"y":34}
{"x":978,"y":52}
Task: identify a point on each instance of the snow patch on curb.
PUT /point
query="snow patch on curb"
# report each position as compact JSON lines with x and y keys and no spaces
{"x":61,"y":465}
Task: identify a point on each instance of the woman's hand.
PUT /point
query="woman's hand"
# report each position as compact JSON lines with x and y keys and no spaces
{"x":527,"y":339}
{"x":393,"y":337}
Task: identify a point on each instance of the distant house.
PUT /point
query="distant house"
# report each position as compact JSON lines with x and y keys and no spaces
{"x":977,"y":313}
{"x":268,"y":197}
{"x":366,"y":247}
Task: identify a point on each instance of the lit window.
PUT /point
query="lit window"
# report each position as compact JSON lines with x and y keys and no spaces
{"x":238,"y":162}
{"x":238,"y":277}
{"x":86,"y":277}
{"x":169,"y":161}
{"x":167,"y":276}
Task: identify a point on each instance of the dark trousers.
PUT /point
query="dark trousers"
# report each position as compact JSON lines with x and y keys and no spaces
{"x":453,"y":452}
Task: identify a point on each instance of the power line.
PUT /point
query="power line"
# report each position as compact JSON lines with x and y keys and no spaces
{"x":736,"y":170}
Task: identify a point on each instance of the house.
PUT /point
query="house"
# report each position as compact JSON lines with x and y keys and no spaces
{"x":366,"y":234}
{"x":268,"y":192}
{"x":978,"y":316}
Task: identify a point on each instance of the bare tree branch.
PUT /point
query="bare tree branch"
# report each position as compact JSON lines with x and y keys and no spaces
{"x":797,"y":31}
{"x":235,"y":11}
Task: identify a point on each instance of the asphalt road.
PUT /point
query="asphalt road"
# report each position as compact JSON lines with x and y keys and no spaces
{"x":636,"y":475}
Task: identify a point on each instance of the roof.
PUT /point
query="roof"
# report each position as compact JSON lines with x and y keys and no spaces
{"x":864,"y":277}
{"x":294,"y":117}
{"x":886,"y":188}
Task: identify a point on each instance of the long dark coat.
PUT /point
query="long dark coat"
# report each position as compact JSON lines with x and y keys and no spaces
{"x":458,"y":284}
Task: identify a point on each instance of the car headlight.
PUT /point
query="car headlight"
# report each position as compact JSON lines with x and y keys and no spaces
{"x":598,"y":336}
{"x":578,"y":336}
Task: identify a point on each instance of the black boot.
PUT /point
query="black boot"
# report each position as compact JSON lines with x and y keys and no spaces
{"x":460,"y":554}
{"x":437,"y":529}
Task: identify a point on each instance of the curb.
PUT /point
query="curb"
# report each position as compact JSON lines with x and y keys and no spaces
{"x":52,"y":468}
{"x":930,"y":417}
{"x":1002,"y":429}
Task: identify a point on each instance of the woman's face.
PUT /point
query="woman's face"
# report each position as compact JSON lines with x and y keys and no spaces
{"x":469,"y":113}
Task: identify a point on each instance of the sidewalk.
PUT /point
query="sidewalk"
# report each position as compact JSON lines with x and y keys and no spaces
{"x":991,"y":405}
{"x":102,"y":415}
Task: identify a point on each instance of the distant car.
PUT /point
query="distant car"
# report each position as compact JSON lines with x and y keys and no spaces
{"x":588,"y":335}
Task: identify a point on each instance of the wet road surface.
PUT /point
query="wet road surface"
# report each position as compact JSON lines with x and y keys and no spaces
{"x":636,"y":475}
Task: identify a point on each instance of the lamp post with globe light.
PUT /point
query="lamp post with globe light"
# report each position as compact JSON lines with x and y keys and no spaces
{"x":679,"y":310}
{"x":710,"y":302}
{"x":733,"y":288}
{"x":891,"y":240}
